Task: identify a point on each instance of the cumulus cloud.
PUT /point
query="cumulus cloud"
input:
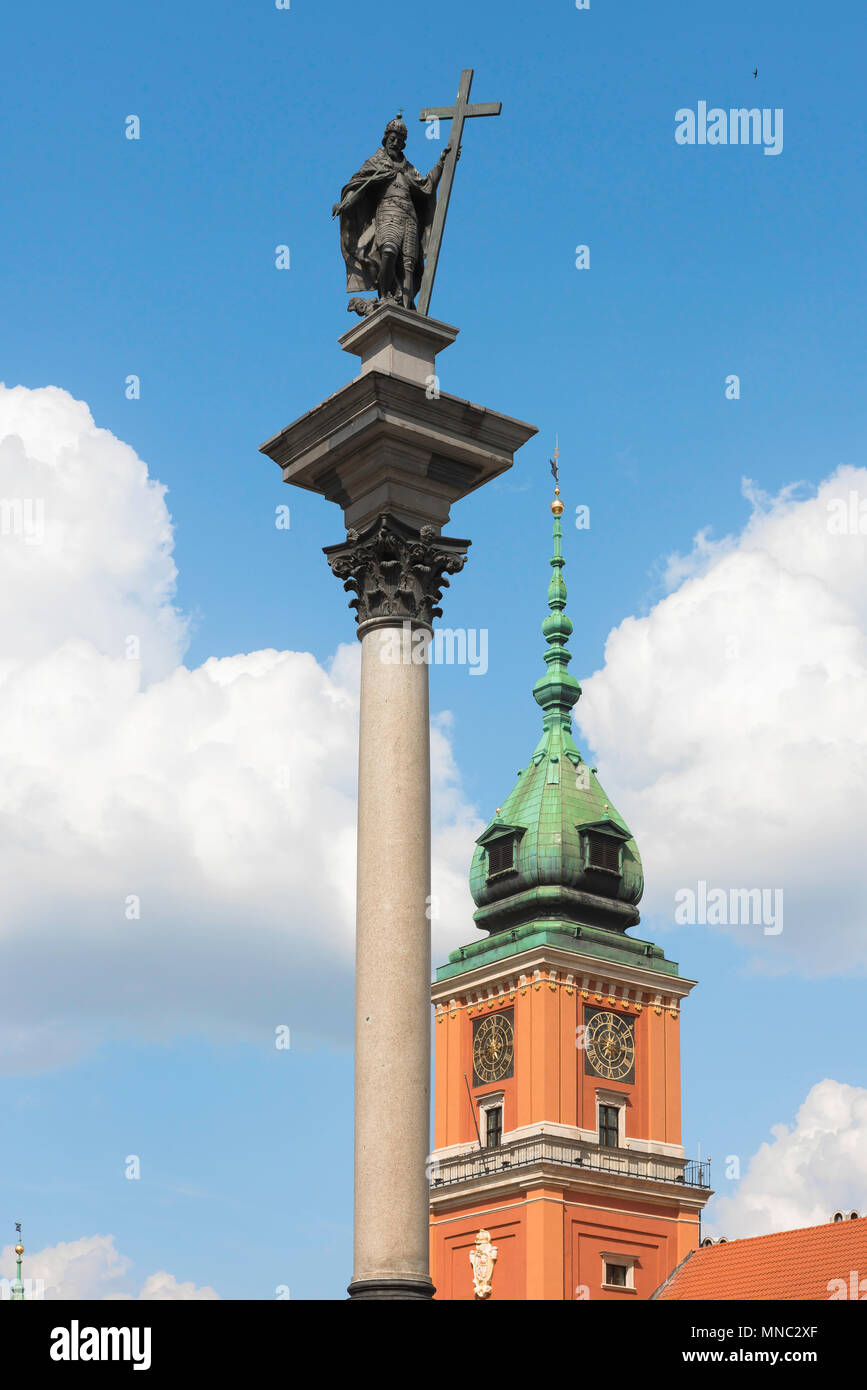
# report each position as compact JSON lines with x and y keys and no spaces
{"x":810,"y":1169}
{"x":93,"y":1268}
{"x":730,"y":722}
{"x":177,"y":846}
{"x":85,"y":537}
{"x":164,"y":1288}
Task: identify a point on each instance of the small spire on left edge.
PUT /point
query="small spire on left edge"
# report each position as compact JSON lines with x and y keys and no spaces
{"x":18,"y":1287}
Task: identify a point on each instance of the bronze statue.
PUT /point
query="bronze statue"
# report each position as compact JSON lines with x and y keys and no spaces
{"x":391,"y":219}
{"x":386,"y":213}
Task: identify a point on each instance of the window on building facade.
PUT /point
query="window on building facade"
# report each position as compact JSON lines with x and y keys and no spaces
{"x":616,"y":1275}
{"x":494,"y":1127}
{"x":609,"y":1126}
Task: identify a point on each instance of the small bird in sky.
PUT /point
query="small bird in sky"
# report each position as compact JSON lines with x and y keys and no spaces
{"x":756,"y":72}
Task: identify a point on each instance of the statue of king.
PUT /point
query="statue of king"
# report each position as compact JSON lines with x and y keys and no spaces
{"x":386,"y":211}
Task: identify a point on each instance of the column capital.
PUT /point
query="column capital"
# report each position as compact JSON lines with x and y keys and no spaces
{"x":396,"y":572}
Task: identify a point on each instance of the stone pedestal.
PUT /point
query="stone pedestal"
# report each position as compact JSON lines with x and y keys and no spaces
{"x":386,"y":443}
{"x":395,"y":453}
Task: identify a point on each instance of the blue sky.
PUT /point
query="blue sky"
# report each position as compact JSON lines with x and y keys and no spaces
{"x":156,"y":258}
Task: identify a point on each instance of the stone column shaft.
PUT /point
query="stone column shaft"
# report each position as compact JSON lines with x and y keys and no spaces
{"x":397,"y":574}
{"x":392,"y":1025}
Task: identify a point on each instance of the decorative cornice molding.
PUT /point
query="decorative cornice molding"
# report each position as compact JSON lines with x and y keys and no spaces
{"x":496,"y":983}
{"x":551,"y":1129}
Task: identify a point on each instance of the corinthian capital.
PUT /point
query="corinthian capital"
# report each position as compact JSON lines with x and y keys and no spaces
{"x":394,"y":571}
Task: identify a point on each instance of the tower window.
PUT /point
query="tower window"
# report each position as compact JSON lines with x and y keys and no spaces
{"x":493,"y":1127}
{"x":501,"y":855}
{"x":609,"y":1126}
{"x":603,"y":852}
{"x":618,"y":1271}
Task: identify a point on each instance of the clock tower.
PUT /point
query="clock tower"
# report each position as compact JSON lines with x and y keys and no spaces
{"x":558,"y":1170}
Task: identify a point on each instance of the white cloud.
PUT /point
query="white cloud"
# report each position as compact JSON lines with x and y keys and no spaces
{"x":730,"y":725}
{"x":85,"y":537}
{"x":165,"y":1287}
{"x":93,"y":1268}
{"x":222,"y":799}
{"x":807,"y":1172}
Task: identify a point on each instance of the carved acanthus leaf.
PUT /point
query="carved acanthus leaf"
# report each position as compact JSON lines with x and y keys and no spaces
{"x":395,"y":571}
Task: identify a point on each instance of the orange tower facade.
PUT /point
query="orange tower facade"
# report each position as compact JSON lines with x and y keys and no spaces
{"x":558,"y":1170}
{"x":573,"y":1164}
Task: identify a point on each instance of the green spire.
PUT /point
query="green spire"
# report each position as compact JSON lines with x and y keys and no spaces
{"x":18,"y":1287}
{"x":557,"y":853}
{"x":557,"y":691}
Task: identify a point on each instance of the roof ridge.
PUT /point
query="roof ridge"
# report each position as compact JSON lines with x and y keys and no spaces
{"x":665,"y":1283}
{"x":769,"y":1235}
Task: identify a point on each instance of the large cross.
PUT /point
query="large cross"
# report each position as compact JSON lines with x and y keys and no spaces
{"x":457,"y":114}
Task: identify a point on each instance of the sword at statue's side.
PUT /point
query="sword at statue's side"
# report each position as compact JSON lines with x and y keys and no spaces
{"x":457,"y":114}
{"x":338,"y":207}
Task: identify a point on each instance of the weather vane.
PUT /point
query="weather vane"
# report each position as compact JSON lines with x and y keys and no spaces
{"x":555,"y":461}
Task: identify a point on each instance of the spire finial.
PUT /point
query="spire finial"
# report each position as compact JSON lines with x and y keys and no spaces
{"x":18,"y":1286}
{"x":557,"y":691}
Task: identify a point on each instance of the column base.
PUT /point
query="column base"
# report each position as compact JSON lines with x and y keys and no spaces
{"x":391,"y":1289}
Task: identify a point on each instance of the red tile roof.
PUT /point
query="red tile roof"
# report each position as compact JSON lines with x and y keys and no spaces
{"x":790,"y":1264}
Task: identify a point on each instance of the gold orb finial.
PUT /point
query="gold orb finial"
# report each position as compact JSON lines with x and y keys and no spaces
{"x":19,"y":1249}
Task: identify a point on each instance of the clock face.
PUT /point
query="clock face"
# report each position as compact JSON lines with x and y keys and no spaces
{"x":493,"y":1048}
{"x":609,"y":1046}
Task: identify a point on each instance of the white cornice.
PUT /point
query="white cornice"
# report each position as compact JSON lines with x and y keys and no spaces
{"x":550,"y":1129}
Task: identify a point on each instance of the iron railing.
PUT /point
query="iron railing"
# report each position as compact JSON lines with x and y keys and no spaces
{"x":521,"y":1153}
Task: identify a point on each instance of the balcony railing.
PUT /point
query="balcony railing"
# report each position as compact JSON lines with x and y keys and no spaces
{"x":581,"y":1157}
